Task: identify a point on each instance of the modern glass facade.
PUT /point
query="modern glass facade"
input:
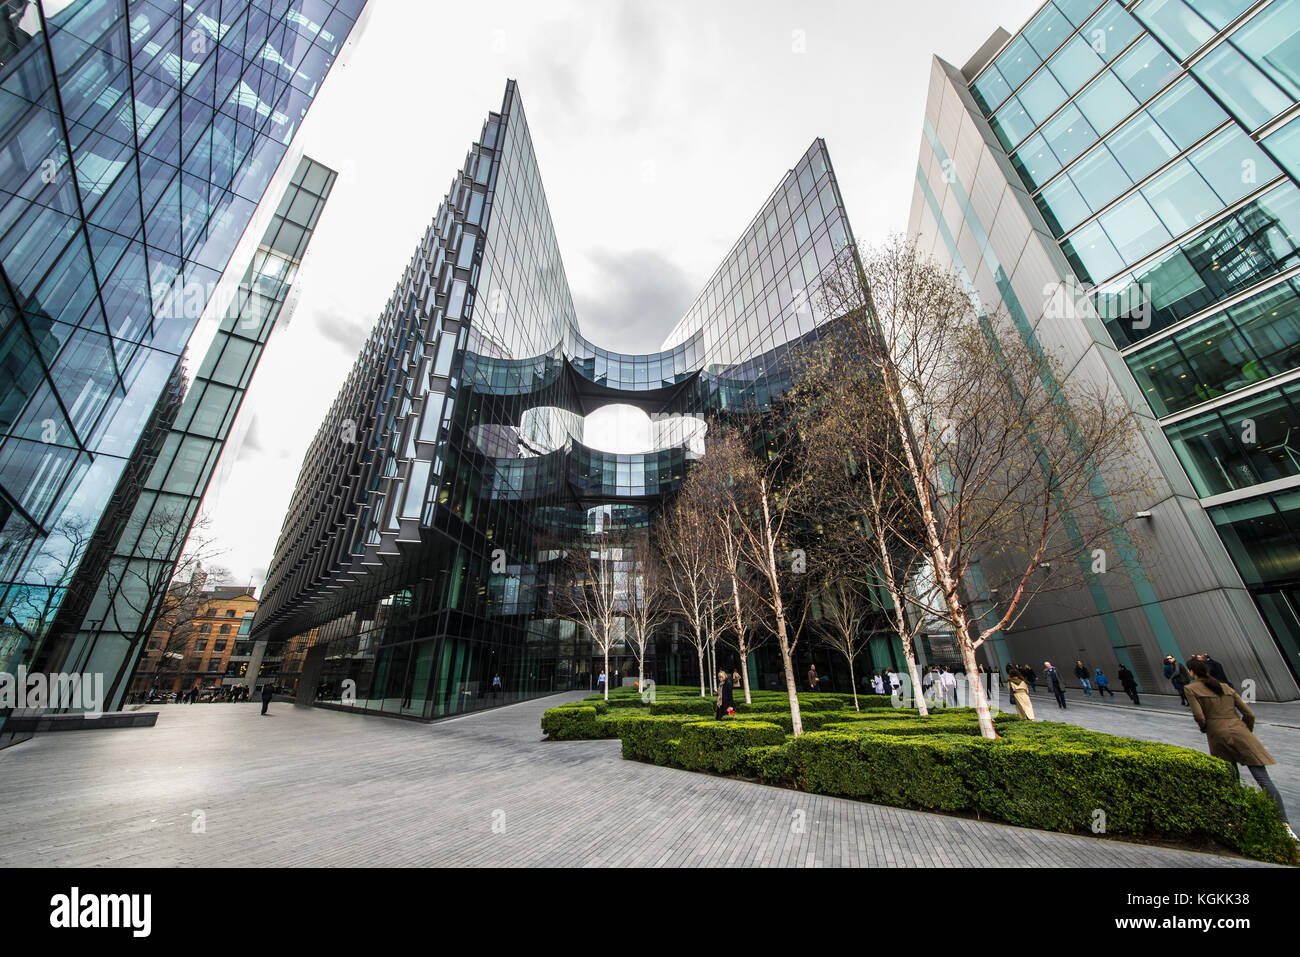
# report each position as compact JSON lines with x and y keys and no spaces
{"x":136,"y":141}
{"x":1142,"y":157}
{"x":423,"y":536}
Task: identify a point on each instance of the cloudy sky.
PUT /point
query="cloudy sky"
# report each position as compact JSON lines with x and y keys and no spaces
{"x":660,"y":128}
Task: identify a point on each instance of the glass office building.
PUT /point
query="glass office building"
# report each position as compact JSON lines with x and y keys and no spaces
{"x":136,"y":142}
{"x":423,"y":536}
{"x":1119,"y":180}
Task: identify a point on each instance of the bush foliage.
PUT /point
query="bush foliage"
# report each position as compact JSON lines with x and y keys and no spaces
{"x":1036,"y":774}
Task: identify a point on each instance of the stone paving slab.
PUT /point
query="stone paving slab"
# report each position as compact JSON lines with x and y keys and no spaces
{"x":307,"y":786}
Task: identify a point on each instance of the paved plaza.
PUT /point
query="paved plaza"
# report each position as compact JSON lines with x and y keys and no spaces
{"x":218,"y":784}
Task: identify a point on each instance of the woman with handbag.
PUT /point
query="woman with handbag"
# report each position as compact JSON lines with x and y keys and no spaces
{"x":724,"y":703}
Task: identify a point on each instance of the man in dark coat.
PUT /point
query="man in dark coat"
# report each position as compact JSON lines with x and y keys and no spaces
{"x":267,"y":693}
{"x":1055,"y":681}
{"x":1129,"y":684}
{"x":1216,"y":669}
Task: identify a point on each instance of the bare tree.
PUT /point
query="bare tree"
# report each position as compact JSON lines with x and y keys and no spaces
{"x":184,"y":602}
{"x":1001,"y":448}
{"x":860,"y":493}
{"x":32,"y":607}
{"x":755,"y":498}
{"x":647,"y":603}
{"x":687,"y":551}
{"x":847,"y":611}
{"x":169,"y":550}
{"x":589,"y":596}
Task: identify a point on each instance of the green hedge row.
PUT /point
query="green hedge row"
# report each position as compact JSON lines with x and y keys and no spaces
{"x":1038,"y":774}
{"x":1144,"y":788}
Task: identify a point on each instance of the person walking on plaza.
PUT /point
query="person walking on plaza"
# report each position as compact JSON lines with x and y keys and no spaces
{"x":1020,"y":695}
{"x":949,"y":681}
{"x":268,"y":692}
{"x":724,"y":703}
{"x":1032,"y":675}
{"x":600,"y":682}
{"x":1215,"y":705}
{"x":1129,"y":684}
{"x":1103,"y":683}
{"x":877,"y":684}
{"x":812,"y":678}
{"x":1178,"y":676}
{"x":1054,"y":679}
{"x":1081,"y":672}
{"x":895,"y":682}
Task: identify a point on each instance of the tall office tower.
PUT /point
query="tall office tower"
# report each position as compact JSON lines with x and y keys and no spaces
{"x":1119,"y":181}
{"x":138,"y":139}
{"x":450,"y":473}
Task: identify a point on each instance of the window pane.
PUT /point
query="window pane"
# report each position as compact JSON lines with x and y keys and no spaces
{"x":1141,"y":147}
{"x":1248,"y":93}
{"x":1047,"y":30}
{"x":1106,"y":102}
{"x":1111,"y":30}
{"x":1145,"y":69}
{"x":1134,"y":228}
{"x":1069,"y":134}
{"x":1183,"y":30}
{"x":1099,"y":177}
{"x":1075,"y":64}
{"x":1233,"y":164}
{"x":1272,"y":40}
{"x":1041,"y":96}
{"x":1181,"y":198}
{"x":1035,"y":163}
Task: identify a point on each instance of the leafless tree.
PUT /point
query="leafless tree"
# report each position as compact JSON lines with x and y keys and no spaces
{"x":687,"y":550}
{"x":32,"y":607}
{"x":844,"y":626}
{"x":647,"y":602}
{"x":588,"y":593}
{"x":1001,"y":448}
{"x":860,"y":494}
{"x":754,"y":500}
{"x":169,"y":551}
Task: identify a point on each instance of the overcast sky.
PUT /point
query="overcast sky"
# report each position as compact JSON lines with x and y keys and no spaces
{"x":660,"y":128}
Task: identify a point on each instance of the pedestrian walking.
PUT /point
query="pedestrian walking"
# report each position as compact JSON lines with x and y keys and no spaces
{"x":724,"y":703}
{"x":1103,"y":683}
{"x":1081,"y":672}
{"x":895,"y":682}
{"x":1032,"y":675}
{"x":496,"y":685}
{"x":877,"y":683}
{"x":1020,"y":695}
{"x":1178,"y":676}
{"x":267,"y":693}
{"x":1215,"y":705}
{"x":600,"y":682}
{"x":812,"y":678}
{"x":949,"y":681}
{"x":1129,"y":684}
{"x":1054,"y":679}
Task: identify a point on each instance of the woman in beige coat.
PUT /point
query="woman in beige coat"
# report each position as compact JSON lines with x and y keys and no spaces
{"x":1215,"y":705}
{"x":1020,"y":694}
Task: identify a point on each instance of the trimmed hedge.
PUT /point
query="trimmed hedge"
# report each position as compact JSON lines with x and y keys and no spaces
{"x":1038,"y":774}
{"x":1143,"y":787}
